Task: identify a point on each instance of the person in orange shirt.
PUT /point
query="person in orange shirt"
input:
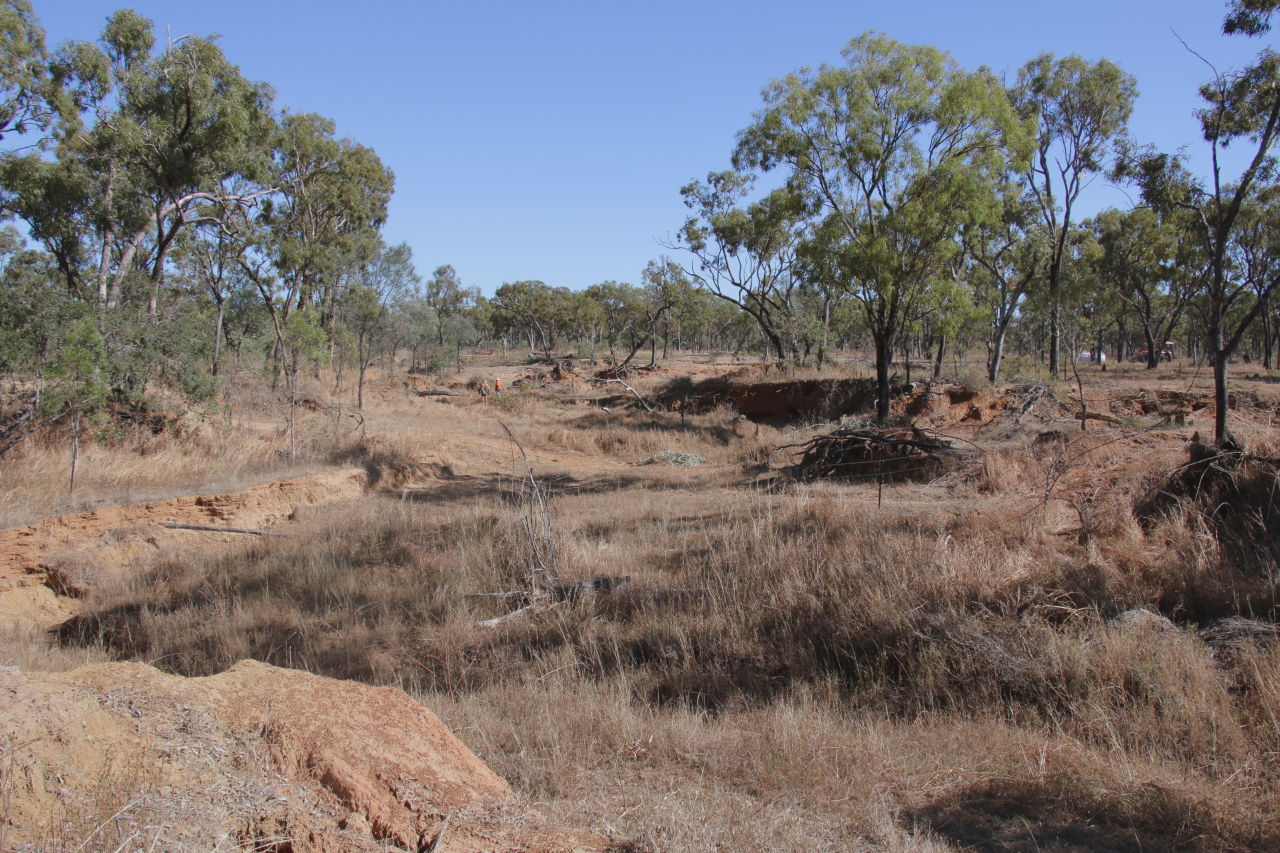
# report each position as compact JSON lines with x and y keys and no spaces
{"x":497,"y":386}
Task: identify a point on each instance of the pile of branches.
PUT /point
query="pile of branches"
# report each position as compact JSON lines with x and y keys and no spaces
{"x":892,"y":455}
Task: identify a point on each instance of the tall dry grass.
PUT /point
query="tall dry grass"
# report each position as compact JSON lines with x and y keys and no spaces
{"x":240,"y":442}
{"x":770,"y":647}
{"x":790,"y":667}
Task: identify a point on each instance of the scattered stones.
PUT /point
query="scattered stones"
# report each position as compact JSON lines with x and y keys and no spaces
{"x":675,"y":459}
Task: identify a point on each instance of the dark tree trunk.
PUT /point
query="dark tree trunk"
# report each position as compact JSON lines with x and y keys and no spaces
{"x":1266,"y":341}
{"x":1220,"y":432}
{"x":884,"y":358}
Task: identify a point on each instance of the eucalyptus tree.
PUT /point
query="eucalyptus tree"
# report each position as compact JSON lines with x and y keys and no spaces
{"x":1241,"y":108}
{"x":208,"y":253}
{"x":665,"y":287}
{"x":692,"y":320}
{"x":382,"y":283}
{"x":1089,"y":298}
{"x":744,"y":252}
{"x":164,"y":132}
{"x":414,"y":323}
{"x":894,"y":151}
{"x":1249,"y":17}
{"x":1077,"y":109}
{"x":32,"y":95}
{"x":212,"y":253}
{"x":77,"y":376}
{"x":446,"y":296}
{"x":621,"y":313}
{"x":1145,"y":259}
{"x":328,"y":203}
{"x":1255,"y":258}
{"x":528,"y":307}
{"x":818,"y":270}
{"x":585,"y":321}
{"x":1002,"y":256}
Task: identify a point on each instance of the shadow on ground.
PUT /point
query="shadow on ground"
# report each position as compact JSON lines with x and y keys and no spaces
{"x":1023,"y":817}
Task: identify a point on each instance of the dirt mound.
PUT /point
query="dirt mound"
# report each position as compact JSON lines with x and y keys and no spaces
{"x":386,"y":476}
{"x":1164,"y":402}
{"x":44,"y":566}
{"x":264,"y":758}
{"x":943,"y":406}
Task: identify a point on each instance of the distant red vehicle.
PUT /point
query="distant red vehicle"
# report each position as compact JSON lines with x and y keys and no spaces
{"x":1166,"y":352}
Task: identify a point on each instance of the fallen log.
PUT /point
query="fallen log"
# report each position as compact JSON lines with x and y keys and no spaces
{"x":212,"y":528}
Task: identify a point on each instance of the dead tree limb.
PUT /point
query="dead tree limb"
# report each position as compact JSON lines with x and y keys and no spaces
{"x":213,"y":528}
{"x":498,"y":620}
{"x":647,"y":407}
{"x":545,"y":574}
{"x":437,"y":845}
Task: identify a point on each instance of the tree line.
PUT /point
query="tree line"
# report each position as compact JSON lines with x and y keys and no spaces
{"x":166,"y":216}
{"x":941,"y":206}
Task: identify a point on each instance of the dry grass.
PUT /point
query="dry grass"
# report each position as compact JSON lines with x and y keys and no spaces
{"x":795,"y":668}
{"x":803,"y":773}
{"x":240,"y":443}
{"x":33,"y":650}
{"x":815,"y":625}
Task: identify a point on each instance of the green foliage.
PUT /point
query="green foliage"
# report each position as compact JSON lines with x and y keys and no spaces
{"x":28,"y":92}
{"x":77,"y":371}
{"x":33,"y":308}
{"x":196,"y":383}
{"x":160,"y":133}
{"x":745,"y":252}
{"x":890,"y":155}
{"x":305,"y":338}
{"x":1074,"y":110}
{"x":1241,"y":107}
{"x":531,"y":308}
{"x":332,"y":201}
{"x":1249,"y":17}
{"x":161,"y":161}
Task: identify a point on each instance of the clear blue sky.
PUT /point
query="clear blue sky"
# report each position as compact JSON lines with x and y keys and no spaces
{"x":549,"y":140}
